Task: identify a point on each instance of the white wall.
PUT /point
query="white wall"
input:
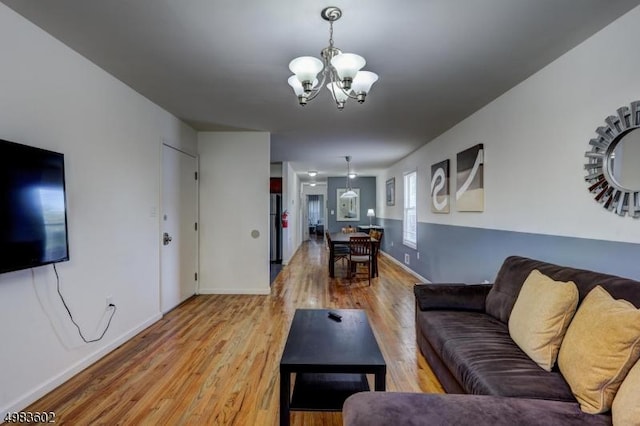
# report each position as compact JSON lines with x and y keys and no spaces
{"x":291,"y":196}
{"x":53,"y":98}
{"x":276,"y":170}
{"x":234,"y":201}
{"x":535,"y":137}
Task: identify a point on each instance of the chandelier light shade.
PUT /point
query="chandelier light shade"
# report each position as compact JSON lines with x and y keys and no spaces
{"x":349,"y":193}
{"x":347,"y":66}
{"x":338,"y":94}
{"x":362,"y":83}
{"x":297,"y":86}
{"x":339,"y":72}
{"x":306,"y":68}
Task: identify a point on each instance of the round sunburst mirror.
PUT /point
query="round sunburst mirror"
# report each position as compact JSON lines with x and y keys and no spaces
{"x":613,"y":167}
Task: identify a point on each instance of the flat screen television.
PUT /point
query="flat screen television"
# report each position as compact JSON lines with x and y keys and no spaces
{"x":33,"y":210}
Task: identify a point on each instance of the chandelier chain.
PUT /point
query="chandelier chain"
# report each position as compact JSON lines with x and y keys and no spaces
{"x":330,"y":33}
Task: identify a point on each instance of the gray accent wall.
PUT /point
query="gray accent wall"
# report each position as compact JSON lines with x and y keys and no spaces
{"x":471,"y":255}
{"x":367,"y":186}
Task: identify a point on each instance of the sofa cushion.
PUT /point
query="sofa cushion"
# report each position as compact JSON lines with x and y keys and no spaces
{"x":626,"y":407}
{"x":516,"y":269}
{"x":396,"y":408}
{"x":480,"y":354}
{"x":540,"y":317}
{"x":600,"y":347}
{"x":451,"y":297}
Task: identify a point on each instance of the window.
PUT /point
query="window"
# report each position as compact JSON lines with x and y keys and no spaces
{"x":314,"y":209}
{"x":410,"y":222}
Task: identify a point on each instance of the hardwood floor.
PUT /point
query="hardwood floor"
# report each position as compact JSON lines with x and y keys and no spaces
{"x":214,"y":359}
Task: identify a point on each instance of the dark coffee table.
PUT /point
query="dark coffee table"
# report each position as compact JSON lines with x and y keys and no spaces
{"x":330,"y":359}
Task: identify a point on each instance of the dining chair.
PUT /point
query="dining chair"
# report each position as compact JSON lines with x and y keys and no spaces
{"x":359,"y":254}
{"x":348,"y":230}
{"x":340,"y":251}
{"x":377,"y":235}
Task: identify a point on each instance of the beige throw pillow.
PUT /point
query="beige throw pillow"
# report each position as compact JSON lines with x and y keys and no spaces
{"x":601,"y":345}
{"x":625,"y":410}
{"x":541,"y":315}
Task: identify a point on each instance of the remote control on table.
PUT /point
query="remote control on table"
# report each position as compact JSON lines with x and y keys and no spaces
{"x":335,"y":317}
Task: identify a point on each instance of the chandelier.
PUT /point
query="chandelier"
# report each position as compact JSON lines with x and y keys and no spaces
{"x":349,"y":193}
{"x":340,"y":71}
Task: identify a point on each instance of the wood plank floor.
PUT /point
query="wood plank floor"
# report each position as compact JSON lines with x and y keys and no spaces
{"x":214,"y":359}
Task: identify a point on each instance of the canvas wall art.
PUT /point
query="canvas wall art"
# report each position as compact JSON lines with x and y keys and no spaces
{"x":348,"y":208}
{"x":470,"y":179}
{"x":391,"y":192}
{"x":440,"y":187}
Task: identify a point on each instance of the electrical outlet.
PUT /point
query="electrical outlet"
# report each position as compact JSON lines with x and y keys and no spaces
{"x":418,"y":255}
{"x":110,"y":301}
{"x":391,"y":243}
{"x":406,"y":258}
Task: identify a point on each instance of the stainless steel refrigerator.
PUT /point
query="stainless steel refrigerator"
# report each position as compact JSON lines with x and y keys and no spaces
{"x":275,"y":234}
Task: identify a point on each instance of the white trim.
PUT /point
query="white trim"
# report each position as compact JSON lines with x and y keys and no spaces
{"x":168,"y":145}
{"x":406,"y":268}
{"x":231,"y":290}
{"x":198,"y":226}
{"x":405,"y":188}
{"x":30,"y":397}
{"x":409,"y":244}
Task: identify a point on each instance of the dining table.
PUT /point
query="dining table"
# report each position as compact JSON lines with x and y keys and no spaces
{"x":343,"y":238}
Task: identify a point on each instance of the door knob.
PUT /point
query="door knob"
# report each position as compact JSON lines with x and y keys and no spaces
{"x":166,"y":239}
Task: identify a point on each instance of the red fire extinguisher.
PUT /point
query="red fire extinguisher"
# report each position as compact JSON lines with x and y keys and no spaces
{"x":285,"y":221}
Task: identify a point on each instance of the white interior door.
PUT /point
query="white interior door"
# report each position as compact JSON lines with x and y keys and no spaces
{"x":305,"y":219}
{"x":179,"y":253}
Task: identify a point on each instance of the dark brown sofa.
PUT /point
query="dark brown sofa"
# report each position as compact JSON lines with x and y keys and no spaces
{"x":462,"y":331}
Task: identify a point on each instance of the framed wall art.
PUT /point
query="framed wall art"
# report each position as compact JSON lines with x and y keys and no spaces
{"x":348,"y":208}
{"x":470,"y":179}
{"x":391,"y":192}
{"x":440,"y":187}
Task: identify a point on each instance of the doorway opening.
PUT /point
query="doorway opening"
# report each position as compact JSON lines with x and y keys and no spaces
{"x":315,"y":215}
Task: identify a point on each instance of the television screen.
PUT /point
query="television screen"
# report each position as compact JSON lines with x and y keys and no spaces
{"x":33,"y":216}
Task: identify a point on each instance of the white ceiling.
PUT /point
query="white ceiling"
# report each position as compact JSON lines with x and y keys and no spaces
{"x":223,"y":64}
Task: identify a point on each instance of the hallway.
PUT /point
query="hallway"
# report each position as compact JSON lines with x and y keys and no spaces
{"x":215,"y":358}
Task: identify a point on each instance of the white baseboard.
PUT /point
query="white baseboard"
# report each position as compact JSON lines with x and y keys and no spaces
{"x":25,"y":400}
{"x":406,"y":268}
{"x":254,"y":291}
